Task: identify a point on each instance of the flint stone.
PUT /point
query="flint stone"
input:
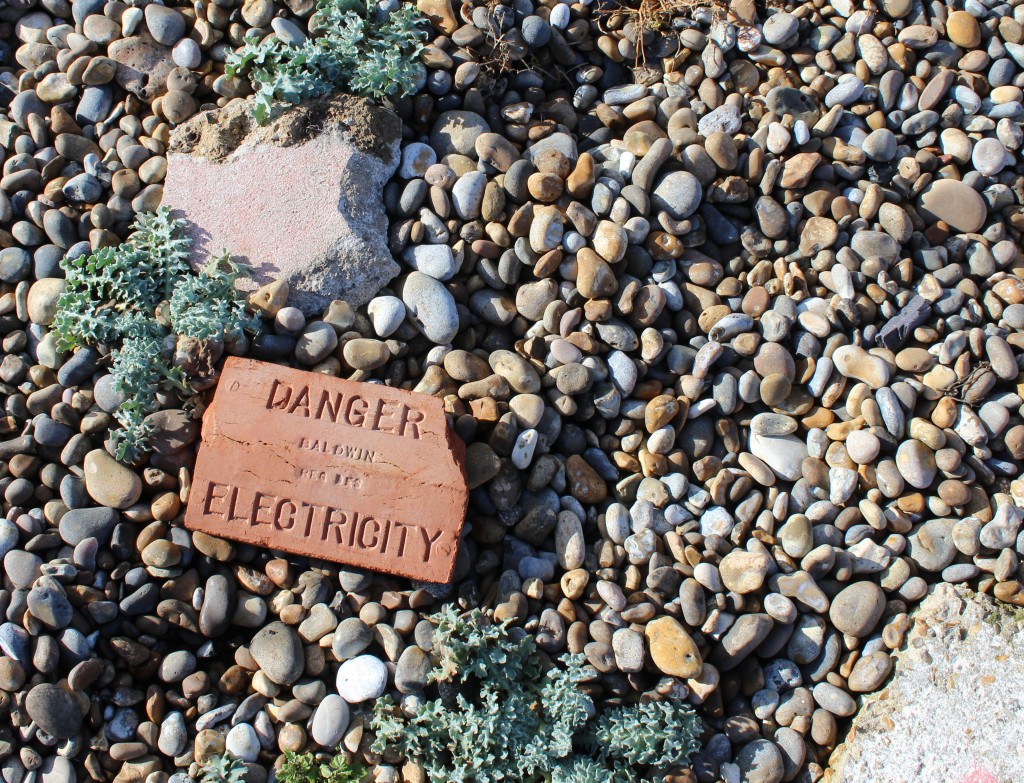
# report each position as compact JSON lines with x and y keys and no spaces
{"x":789,"y":100}
{"x":81,"y":523}
{"x":299,"y":198}
{"x":54,"y":710}
{"x":330,"y":721}
{"x":142,"y":65}
{"x":278,"y":651}
{"x":931,"y":545}
{"x":746,"y":634}
{"x":898,"y":328}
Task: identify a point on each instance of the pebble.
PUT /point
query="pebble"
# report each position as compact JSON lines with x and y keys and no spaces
{"x":361,"y":678}
{"x":54,"y":710}
{"x":431,"y":307}
{"x":955,"y":203}
{"x":780,"y":28}
{"x":351,"y":637}
{"x":834,"y":699}
{"x":863,"y":446}
{"x":760,"y":761}
{"x":672,"y":649}
{"x":678,"y":193}
{"x":330,"y":721}
{"x":187,"y":54}
{"x":744,"y":572}
{"x":857,"y":608}
{"x":317,"y":341}
{"x":870,"y":672}
{"x":278,"y":652}
{"x":109,"y":482}
{"x":989,"y":157}
{"x":784,"y":454}
{"x":916,"y":463}
{"x":667,"y":320}
{"x":242,"y":742}
{"x":173,"y":735}
{"x":417,"y":158}
{"x":166,"y":25}
{"x":963,"y":29}
{"x":437,"y":261}
{"x":456,"y":132}
{"x":287,"y":31}
{"x":724,"y":119}
{"x":413,"y":670}
{"x":387,"y":314}
{"x":365,"y":354}
{"x":48,"y":603}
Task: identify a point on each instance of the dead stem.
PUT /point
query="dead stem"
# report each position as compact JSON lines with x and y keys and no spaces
{"x":657,"y":15}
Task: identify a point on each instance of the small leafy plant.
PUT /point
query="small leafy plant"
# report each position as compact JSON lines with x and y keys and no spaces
{"x":139,"y":298}
{"x":498,"y":716}
{"x":308,"y":768}
{"x":223,"y":769}
{"x":349,"y":49}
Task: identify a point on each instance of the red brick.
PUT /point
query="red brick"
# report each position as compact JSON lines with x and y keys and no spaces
{"x":355,"y":473}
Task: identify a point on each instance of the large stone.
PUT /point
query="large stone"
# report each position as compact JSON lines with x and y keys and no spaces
{"x":54,"y":709}
{"x":298,"y":198}
{"x":142,"y":65}
{"x":678,"y":193}
{"x":672,"y":649}
{"x":337,"y":470}
{"x":109,"y":482}
{"x":79,"y":524}
{"x":857,"y":609}
{"x":278,"y":651}
{"x":954,"y":202}
{"x":330,"y":721}
{"x":784,"y":454}
{"x":173,"y":430}
{"x":456,"y":132}
{"x":952,"y":709}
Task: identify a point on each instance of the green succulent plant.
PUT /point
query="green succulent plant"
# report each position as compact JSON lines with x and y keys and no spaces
{"x":310,"y":768}
{"x":112,"y":297}
{"x":223,"y":769}
{"x":501,"y":715}
{"x":350,"y":48}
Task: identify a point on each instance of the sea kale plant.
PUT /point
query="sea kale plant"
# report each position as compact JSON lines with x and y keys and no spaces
{"x":497,"y":715}
{"x":137,"y":299}
{"x":310,"y":768}
{"x":222,"y":769}
{"x":350,"y":47}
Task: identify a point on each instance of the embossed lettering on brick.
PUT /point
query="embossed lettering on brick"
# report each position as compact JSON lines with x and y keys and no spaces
{"x":355,"y":473}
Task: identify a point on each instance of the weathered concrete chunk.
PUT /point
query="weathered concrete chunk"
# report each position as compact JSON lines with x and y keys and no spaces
{"x":351,"y":472}
{"x":952,"y":711}
{"x":299,"y":198}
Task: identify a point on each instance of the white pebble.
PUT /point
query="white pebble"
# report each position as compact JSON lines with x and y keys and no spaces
{"x":186,"y":54}
{"x":362,"y":678}
{"x":522,"y":452}
{"x":130,"y":21}
{"x":387,"y":314}
{"x":801,"y":132}
{"x":559,"y":16}
{"x":242,"y":742}
{"x":416,"y":159}
{"x":778,"y":138}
